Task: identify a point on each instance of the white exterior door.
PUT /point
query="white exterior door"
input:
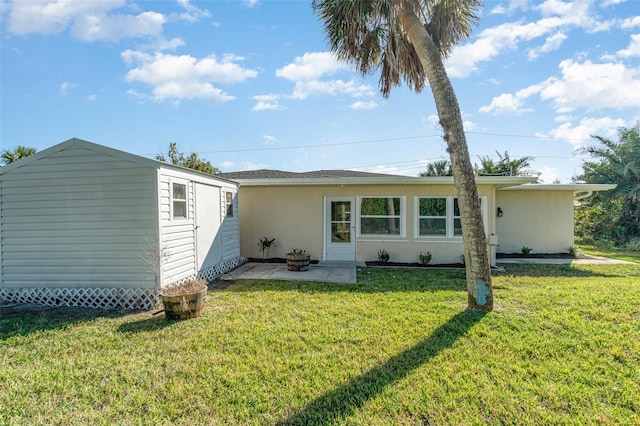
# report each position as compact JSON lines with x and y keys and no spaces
{"x":207,"y":222}
{"x":340,"y":229}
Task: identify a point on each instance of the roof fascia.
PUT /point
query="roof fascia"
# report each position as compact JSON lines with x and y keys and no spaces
{"x":344,"y":181}
{"x":574,"y":187}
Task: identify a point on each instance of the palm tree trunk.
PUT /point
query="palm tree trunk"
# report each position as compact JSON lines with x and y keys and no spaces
{"x":478,"y":268}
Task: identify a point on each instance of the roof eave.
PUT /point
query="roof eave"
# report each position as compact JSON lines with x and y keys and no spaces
{"x":391,"y":180}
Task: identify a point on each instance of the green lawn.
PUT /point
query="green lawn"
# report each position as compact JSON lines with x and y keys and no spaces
{"x":612,"y":252}
{"x":561,"y":347}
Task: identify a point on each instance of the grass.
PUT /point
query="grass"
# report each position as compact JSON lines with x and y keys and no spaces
{"x":611,"y":252}
{"x":561,"y":347}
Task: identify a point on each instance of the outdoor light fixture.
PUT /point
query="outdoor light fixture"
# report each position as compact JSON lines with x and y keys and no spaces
{"x":499,"y":212}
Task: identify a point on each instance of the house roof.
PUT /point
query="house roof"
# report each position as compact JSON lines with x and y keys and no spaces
{"x":279,"y":174}
{"x":75,"y":142}
{"x":350,"y":177}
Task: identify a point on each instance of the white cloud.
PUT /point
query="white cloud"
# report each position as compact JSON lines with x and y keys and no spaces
{"x":364,"y":105}
{"x":174,"y":77}
{"x":553,"y":42}
{"x":593,"y":86}
{"x":192,"y":13}
{"x":248,"y":165}
{"x":86,"y":20}
{"x":226,"y":165}
{"x":304,"y":89}
{"x":270,"y":140}
{"x":91,"y":97}
{"x":309,"y":73}
{"x":469,"y":126}
{"x":632,"y":50}
{"x":548,"y":174}
{"x":581,"y":134}
{"x":582,"y":85}
{"x":66,"y":86}
{"x":557,"y":17}
{"x":251,"y":3}
{"x":631,"y":22}
{"x":311,"y":66}
{"x":267,"y":102}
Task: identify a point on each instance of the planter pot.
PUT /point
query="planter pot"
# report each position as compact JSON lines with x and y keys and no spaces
{"x":298,"y":262}
{"x":184,"y":306}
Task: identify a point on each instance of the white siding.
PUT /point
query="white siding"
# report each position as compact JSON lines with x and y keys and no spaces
{"x":230,"y":225}
{"x":177,"y":235}
{"x":77,"y":218}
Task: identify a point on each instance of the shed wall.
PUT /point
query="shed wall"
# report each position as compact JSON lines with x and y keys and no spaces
{"x":179,"y":237}
{"x":77,"y":218}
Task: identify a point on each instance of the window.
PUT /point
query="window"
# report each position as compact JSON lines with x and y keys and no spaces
{"x":178,"y":201}
{"x":432,"y":217}
{"x":380,"y":215}
{"x":229,"y":204}
{"x":440,"y":217}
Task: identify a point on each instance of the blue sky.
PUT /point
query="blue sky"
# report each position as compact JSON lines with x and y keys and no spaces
{"x":252,"y":84}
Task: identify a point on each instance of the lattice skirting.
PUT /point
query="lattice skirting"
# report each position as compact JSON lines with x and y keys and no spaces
{"x":220,"y":269}
{"x":106,"y":298}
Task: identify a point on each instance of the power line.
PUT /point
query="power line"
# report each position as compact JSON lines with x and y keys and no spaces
{"x":406,"y":138}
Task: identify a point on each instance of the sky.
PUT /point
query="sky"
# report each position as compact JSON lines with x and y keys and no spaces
{"x":253,"y":84}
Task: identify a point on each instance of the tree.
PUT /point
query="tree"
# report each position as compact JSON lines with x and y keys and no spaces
{"x":612,"y":215}
{"x":438,"y":168}
{"x":10,"y":155}
{"x":505,"y":166}
{"x":192,"y":161}
{"x":407,"y":40}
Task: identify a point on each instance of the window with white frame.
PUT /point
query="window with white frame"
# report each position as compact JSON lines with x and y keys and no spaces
{"x":178,"y":200}
{"x":229,"y":203}
{"x":381,"y":216}
{"x":440,"y":217}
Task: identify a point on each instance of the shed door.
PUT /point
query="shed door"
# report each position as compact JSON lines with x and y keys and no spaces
{"x":340,"y":228}
{"x":207,"y":222}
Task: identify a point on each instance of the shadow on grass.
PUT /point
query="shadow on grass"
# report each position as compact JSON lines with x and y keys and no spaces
{"x":24,"y":319}
{"x":343,"y":401}
{"x":369,"y":281}
{"x":154,"y":323}
{"x":570,"y":271}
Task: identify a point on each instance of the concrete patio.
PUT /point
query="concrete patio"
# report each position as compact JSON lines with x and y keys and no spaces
{"x":330,"y":272}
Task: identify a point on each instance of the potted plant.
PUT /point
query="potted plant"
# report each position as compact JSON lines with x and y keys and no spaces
{"x":185,"y":300}
{"x":265,"y":244}
{"x":298,"y":260}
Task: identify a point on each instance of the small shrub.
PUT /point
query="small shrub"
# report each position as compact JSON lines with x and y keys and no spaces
{"x":383,"y":255}
{"x":526,"y":250}
{"x":424,"y":258}
{"x":634,"y":244}
{"x":572,"y":251}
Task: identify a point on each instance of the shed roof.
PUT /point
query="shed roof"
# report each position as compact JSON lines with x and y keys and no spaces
{"x":76,"y":142}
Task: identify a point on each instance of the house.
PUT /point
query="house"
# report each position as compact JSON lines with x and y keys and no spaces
{"x":83,"y":224}
{"x":348,"y":215}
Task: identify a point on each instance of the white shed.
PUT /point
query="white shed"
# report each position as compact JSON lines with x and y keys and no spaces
{"x":86,"y":225}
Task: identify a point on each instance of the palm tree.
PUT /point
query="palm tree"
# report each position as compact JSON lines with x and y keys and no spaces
{"x":613,"y":214}
{"x":10,"y":155}
{"x":437,"y":168}
{"x":407,"y":40}
{"x":505,"y":166}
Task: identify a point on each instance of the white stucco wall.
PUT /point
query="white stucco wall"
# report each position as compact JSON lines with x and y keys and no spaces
{"x":541,"y":220}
